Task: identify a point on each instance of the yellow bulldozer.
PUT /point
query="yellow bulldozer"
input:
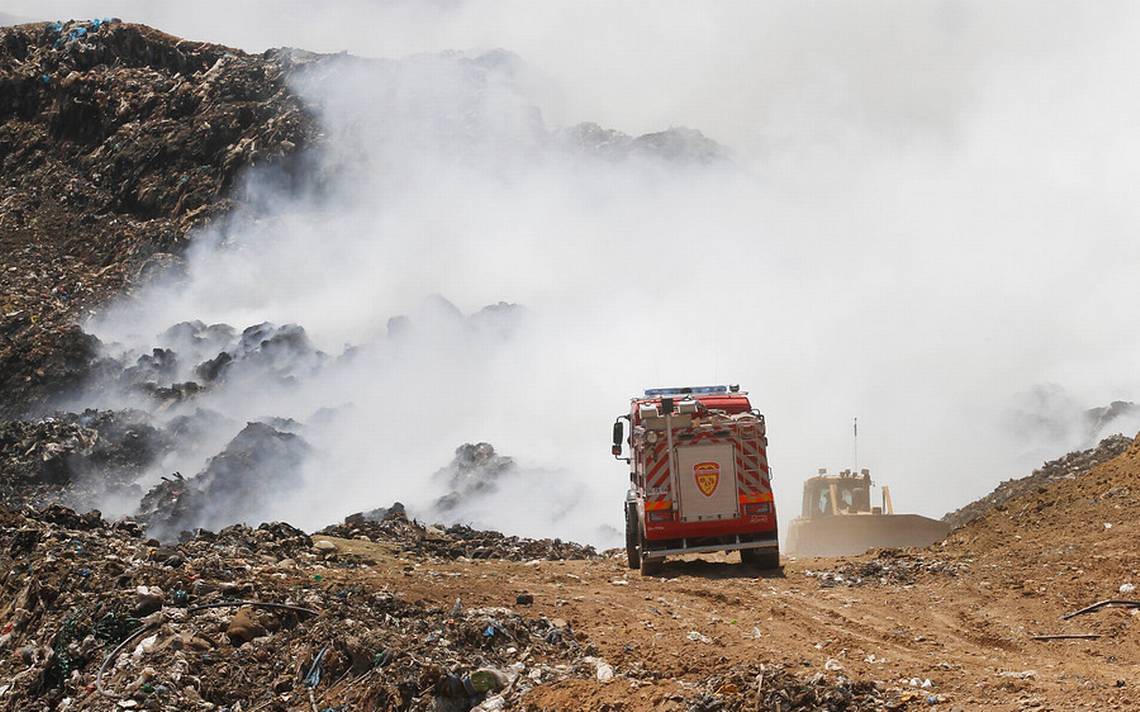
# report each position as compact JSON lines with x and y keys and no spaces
{"x":838,"y":519}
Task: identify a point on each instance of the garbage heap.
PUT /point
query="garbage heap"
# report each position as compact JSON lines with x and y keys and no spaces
{"x":393,"y":526}
{"x":475,"y":471}
{"x":97,"y":617}
{"x":886,"y":567}
{"x":771,"y":687}
{"x":1073,"y":465}
{"x":233,"y":484}
{"x":84,"y":459}
{"x":76,"y":458}
{"x":116,"y":141}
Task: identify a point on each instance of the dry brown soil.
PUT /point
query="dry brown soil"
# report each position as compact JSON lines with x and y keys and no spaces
{"x":960,"y":632}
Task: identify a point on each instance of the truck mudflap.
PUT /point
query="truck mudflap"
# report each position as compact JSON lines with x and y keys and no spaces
{"x":738,"y":544}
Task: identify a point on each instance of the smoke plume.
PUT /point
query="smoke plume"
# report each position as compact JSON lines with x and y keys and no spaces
{"x":912,"y":213}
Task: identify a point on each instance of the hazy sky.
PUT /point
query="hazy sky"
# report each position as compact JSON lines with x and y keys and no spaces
{"x":929,"y":214}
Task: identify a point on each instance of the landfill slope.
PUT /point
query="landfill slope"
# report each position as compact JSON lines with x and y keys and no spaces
{"x":116,"y":141}
{"x":1066,"y":540}
{"x":1069,"y":466}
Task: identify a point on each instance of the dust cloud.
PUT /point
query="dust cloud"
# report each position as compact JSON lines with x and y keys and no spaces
{"x":923,"y":217}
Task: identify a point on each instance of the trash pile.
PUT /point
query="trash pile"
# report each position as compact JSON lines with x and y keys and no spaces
{"x":771,"y":687}
{"x":392,"y":525}
{"x":888,"y":567}
{"x":85,"y":459}
{"x":1071,"y":466}
{"x":116,"y":140}
{"x":190,"y":358}
{"x":232,"y":487}
{"x":678,"y":144}
{"x":101,"y":458}
{"x":82,"y":460}
{"x":76,"y":458}
{"x":475,"y":470}
{"x":98,"y":617}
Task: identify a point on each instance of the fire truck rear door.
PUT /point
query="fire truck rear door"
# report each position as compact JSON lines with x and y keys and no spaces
{"x":707,"y":477}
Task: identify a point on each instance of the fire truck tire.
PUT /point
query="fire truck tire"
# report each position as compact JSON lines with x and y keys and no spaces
{"x":632,"y":536}
{"x":760,"y":559}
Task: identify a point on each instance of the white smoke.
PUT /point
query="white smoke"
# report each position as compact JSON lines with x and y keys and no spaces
{"x":926,"y":215}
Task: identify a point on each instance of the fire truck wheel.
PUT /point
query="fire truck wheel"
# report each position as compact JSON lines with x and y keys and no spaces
{"x":632,"y":535}
{"x":760,"y":559}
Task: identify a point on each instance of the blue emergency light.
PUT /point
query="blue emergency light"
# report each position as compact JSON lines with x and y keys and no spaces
{"x":686,"y":390}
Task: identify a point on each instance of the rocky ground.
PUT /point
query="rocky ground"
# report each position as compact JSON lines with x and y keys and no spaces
{"x":377,"y":618}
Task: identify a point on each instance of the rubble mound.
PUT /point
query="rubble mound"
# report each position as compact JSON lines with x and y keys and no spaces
{"x":772,"y":687}
{"x":76,"y":458}
{"x":677,"y":145}
{"x":1110,"y":415}
{"x":259,"y":462}
{"x":115,"y":141}
{"x":1073,"y":539}
{"x":886,"y":567}
{"x":1073,"y":465}
{"x":392,"y":525}
{"x":474,"y":471}
{"x":100,"y":618}
{"x":191,"y":358}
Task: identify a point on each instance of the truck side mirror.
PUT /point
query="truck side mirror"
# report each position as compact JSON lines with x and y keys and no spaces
{"x":619,"y":433}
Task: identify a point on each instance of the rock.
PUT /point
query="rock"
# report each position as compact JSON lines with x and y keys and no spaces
{"x":149,"y":600}
{"x":604,"y":672}
{"x":324,"y":545}
{"x":244,"y":626}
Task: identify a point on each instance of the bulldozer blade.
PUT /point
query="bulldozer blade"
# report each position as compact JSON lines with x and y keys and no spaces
{"x":847,"y":535}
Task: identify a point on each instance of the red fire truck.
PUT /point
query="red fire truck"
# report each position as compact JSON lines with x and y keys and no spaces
{"x":699,"y":477}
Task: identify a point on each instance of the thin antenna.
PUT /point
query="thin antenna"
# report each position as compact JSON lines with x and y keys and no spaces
{"x":855,"y":442}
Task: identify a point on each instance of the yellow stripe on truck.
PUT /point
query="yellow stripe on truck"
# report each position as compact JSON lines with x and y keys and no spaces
{"x":753,"y":498}
{"x":655,"y":506}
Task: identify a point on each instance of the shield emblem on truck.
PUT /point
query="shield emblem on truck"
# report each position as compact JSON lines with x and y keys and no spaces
{"x":707,"y":475}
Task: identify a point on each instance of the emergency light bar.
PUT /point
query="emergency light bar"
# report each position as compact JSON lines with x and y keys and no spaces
{"x":686,"y":390}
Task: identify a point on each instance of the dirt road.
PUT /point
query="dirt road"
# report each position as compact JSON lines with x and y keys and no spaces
{"x":967,"y":632}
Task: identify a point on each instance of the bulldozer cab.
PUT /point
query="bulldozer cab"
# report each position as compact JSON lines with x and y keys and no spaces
{"x":846,"y":493}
